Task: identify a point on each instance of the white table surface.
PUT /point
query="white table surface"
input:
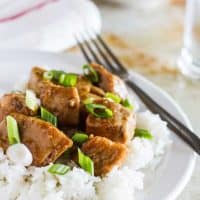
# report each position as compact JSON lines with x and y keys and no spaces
{"x":158,"y":32}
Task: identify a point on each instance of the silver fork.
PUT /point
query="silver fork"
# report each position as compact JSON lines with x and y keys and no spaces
{"x":96,"y":50}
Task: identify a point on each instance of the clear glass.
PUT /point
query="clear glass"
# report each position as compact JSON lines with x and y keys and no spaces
{"x":189,"y":61}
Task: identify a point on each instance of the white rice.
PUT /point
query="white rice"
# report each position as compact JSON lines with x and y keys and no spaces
{"x":17,"y":182}
{"x":20,"y":183}
{"x":120,"y":183}
{"x":158,"y":128}
{"x":143,"y":151}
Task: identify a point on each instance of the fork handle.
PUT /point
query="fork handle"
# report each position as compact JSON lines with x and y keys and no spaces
{"x":179,"y":128}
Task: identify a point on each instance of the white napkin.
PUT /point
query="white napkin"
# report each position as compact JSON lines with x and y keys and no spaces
{"x":45,"y":24}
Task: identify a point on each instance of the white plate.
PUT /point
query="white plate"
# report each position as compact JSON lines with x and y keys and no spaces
{"x":175,"y":169}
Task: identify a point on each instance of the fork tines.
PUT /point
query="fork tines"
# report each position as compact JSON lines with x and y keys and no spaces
{"x":96,"y":50}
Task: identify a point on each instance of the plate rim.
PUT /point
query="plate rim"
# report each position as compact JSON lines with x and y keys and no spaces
{"x":181,"y":184}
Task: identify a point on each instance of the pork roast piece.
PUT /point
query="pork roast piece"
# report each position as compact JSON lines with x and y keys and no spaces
{"x":36,"y":81}
{"x":45,"y":141}
{"x":85,"y":88}
{"x":119,"y":128}
{"x":105,"y":154}
{"x":64,"y":102}
{"x":14,"y":102}
{"x":83,"y":111}
{"x":110,"y":82}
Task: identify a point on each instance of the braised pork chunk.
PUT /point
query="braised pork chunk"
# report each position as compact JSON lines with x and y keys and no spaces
{"x":119,"y":128}
{"x":105,"y":154}
{"x":109,"y":82}
{"x":87,"y":91}
{"x":14,"y":102}
{"x":45,"y":141}
{"x":85,"y":87}
{"x":64,"y":102}
{"x":36,"y":81}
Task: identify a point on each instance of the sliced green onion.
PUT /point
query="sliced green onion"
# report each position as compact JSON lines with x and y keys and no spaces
{"x":113,"y":97}
{"x":85,"y":162}
{"x":53,"y":74}
{"x":49,"y":117}
{"x":80,"y":137}
{"x":12,"y":129}
{"x":48,"y":75}
{"x":143,"y":133}
{"x":99,"y":110}
{"x":31,"y":100}
{"x":57,"y":74}
{"x":90,"y":73}
{"x":68,"y":80}
{"x":88,"y":100}
{"x":59,"y":169}
{"x":61,"y":77}
{"x":126,"y":103}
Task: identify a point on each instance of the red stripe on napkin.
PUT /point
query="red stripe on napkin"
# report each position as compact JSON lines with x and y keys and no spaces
{"x":27,"y":11}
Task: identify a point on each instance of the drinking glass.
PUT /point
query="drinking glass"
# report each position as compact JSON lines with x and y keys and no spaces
{"x":189,"y":61}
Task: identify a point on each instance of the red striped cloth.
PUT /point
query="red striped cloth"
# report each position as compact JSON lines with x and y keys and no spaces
{"x":45,"y":24}
{"x":20,"y":12}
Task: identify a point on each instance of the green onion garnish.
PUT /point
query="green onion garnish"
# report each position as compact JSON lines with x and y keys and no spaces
{"x":85,"y":162}
{"x":143,"y":133}
{"x":126,"y":103}
{"x":80,"y":137}
{"x":59,"y":169}
{"x":53,"y":75}
{"x":31,"y":100}
{"x":99,"y":110}
{"x":113,"y":97}
{"x":49,"y":117}
{"x":12,"y":129}
{"x":48,"y":75}
{"x":68,"y":80}
{"x":90,"y":73}
{"x":88,"y":100}
{"x":61,"y":77}
{"x":57,"y":74}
